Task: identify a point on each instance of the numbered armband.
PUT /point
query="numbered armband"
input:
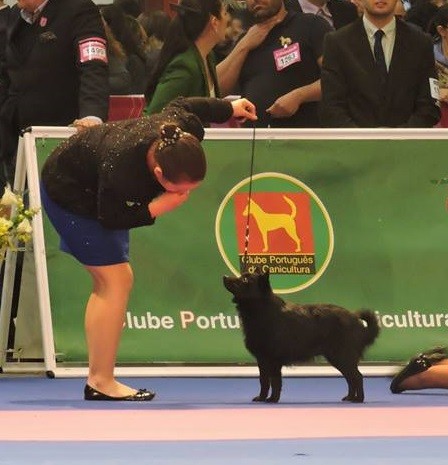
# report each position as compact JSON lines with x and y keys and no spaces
{"x":92,"y":48}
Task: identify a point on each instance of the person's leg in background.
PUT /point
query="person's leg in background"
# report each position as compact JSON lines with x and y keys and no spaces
{"x":9,"y":138}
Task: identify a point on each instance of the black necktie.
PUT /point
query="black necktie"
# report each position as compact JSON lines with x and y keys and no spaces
{"x":379,"y":56}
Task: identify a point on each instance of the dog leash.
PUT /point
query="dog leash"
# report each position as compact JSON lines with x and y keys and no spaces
{"x":243,"y":267}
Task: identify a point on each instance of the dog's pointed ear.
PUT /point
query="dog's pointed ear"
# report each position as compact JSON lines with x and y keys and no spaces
{"x":244,"y":267}
{"x":258,"y":269}
{"x":264,"y":281}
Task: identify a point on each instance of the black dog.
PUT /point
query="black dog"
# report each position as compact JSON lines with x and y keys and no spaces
{"x":281,"y":333}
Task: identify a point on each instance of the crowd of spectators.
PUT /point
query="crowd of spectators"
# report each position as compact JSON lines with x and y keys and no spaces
{"x":273,"y":52}
{"x":304,"y":63}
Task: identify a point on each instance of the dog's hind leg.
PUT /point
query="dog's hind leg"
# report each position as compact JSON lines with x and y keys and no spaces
{"x":264,"y":379}
{"x":275,"y":373}
{"x":355,"y":385}
{"x":354,"y":380}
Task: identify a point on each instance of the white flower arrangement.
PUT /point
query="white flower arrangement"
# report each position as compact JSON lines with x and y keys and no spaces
{"x":15,"y":221}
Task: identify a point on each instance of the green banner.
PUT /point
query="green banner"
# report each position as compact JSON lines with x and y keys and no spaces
{"x":358,"y":223}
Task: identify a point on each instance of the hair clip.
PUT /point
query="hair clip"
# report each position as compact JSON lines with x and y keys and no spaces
{"x":166,"y":139}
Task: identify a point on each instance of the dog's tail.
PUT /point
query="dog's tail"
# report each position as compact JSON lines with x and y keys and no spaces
{"x":370,"y":322}
{"x":292,"y":205}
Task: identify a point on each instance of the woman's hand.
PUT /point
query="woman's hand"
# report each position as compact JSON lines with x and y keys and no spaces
{"x":243,"y":109}
{"x":166,"y":202}
{"x":84,"y":123}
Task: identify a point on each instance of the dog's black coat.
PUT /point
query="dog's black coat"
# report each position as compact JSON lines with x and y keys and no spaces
{"x":279,"y":333}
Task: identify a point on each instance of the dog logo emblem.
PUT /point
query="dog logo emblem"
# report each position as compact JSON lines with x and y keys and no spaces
{"x":281,"y":226}
{"x":268,"y":222}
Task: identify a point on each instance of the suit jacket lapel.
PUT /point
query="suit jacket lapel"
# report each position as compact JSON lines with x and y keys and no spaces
{"x":334,"y":15}
{"x":200,"y":62}
{"x":362,"y":51}
{"x":13,"y":23}
{"x":364,"y":54}
{"x":48,"y":13}
{"x":399,"y":56}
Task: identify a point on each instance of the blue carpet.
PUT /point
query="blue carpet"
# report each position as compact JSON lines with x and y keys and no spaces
{"x":55,"y":394}
{"x":25,"y":393}
{"x":378,"y":451}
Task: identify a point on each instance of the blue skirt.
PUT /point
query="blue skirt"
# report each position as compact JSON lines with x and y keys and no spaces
{"x":86,"y":239}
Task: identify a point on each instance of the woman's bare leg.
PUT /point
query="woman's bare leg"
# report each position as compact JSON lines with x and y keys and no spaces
{"x":104,"y":320}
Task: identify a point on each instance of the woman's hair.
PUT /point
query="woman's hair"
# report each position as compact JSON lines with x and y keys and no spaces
{"x":439,"y":19}
{"x":155,"y":24}
{"x":129,"y":7}
{"x":191,"y":20}
{"x":113,"y":46}
{"x":126,"y":29}
{"x":180,"y":155}
{"x":135,"y":42}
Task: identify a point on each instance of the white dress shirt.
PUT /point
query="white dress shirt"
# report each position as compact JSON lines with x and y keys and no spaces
{"x":388,"y":39}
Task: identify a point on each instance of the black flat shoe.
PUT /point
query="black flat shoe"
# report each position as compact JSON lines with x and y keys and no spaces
{"x":416,"y":365}
{"x":141,"y":395}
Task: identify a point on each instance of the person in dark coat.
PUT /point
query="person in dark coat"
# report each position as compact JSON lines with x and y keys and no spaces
{"x":55,"y":71}
{"x":4,"y":13}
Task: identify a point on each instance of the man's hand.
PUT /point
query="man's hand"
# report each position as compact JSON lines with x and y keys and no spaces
{"x":256,"y":34}
{"x":286,"y":105}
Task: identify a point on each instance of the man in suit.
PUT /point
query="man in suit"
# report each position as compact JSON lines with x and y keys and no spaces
{"x":377,"y":72}
{"x":338,"y":13}
{"x":55,"y":71}
{"x":4,"y":12}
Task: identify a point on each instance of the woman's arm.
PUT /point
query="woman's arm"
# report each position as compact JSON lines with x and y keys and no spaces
{"x":214,"y":110}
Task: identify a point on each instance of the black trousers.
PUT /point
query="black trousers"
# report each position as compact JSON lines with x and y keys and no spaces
{"x":9,"y":136}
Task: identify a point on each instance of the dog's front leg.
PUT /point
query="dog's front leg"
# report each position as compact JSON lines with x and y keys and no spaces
{"x":275,"y":376}
{"x":264,"y":382}
{"x":355,"y":384}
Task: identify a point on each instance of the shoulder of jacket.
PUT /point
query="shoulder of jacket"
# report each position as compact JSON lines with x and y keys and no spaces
{"x":354,"y":28}
{"x":188,"y":59}
{"x":413,"y":32}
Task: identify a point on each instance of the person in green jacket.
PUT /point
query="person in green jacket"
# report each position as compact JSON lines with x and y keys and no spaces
{"x":186,"y":65}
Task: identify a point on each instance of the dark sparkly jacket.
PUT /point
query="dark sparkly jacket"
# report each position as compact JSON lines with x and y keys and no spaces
{"x":101,"y":172}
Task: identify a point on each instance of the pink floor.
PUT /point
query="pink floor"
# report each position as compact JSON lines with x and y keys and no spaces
{"x":223,"y":424}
